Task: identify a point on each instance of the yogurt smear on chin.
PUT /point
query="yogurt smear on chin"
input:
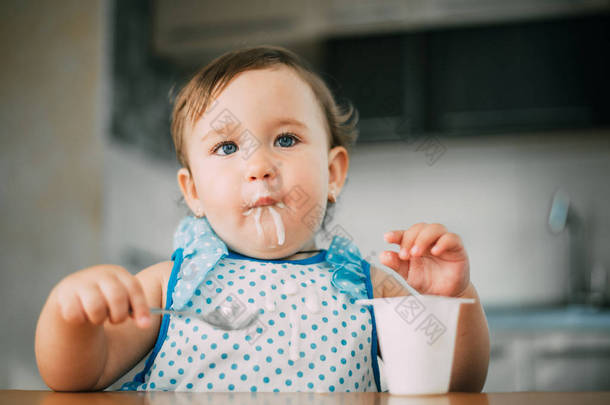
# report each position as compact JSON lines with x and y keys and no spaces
{"x":277,"y":220}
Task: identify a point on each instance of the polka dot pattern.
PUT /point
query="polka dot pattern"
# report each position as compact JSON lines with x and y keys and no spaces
{"x":294,"y":346}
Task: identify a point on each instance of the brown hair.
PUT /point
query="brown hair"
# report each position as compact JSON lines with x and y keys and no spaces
{"x":195,"y":97}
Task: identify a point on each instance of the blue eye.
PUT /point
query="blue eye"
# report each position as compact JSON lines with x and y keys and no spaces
{"x":286,"y":140}
{"x":227,"y":147}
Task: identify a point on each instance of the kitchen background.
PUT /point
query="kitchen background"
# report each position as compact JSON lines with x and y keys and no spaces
{"x":489,"y":117}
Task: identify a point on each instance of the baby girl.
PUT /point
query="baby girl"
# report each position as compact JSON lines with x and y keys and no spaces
{"x":264,"y":153}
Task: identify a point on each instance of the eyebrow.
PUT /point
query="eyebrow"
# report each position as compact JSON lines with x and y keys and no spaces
{"x":290,"y":121}
{"x":224,"y":128}
{"x":230,"y":126}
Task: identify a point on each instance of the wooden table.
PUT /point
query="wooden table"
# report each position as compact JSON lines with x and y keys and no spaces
{"x":163,"y":398}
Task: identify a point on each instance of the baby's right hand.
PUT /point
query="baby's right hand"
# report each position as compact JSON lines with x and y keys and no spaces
{"x":102,"y":292}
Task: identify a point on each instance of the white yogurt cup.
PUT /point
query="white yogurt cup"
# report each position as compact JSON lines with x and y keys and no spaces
{"x":417,"y":341}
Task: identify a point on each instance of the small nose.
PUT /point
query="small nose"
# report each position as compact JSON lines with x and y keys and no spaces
{"x":260,"y":168}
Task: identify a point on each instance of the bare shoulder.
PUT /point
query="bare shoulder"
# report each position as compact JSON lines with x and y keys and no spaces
{"x":154,"y":280}
{"x":161,"y":269}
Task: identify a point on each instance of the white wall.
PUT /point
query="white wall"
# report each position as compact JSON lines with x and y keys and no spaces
{"x":141,"y":208}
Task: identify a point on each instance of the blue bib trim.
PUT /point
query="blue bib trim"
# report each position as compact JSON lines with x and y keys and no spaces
{"x":369,"y":290}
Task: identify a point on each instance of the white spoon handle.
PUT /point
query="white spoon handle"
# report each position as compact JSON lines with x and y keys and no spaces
{"x":400,"y":280}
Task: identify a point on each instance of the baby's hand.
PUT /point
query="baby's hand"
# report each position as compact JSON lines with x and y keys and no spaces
{"x":102,"y":292}
{"x":432,"y":260}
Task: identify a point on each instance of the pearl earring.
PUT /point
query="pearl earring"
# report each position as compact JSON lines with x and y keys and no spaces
{"x":333,"y":198}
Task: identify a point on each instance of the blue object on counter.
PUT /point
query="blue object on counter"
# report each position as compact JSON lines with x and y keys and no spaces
{"x":557,"y":318}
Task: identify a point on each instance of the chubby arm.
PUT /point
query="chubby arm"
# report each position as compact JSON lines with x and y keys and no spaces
{"x":471,"y":358}
{"x":85,"y":338}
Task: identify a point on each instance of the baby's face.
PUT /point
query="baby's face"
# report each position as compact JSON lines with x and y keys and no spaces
{"x":263,"y":181}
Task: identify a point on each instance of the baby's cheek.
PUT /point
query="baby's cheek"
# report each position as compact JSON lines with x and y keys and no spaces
{"x":218,"y":189}
{"x":308,"y":207}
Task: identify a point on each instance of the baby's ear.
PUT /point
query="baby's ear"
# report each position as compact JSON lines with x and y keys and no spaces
{"x":187,"y":187}
{"x":338,"y":164}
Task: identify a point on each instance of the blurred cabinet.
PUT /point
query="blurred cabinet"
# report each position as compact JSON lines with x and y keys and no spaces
{"x":183,"y":29}
{"x":549,"y":361}
{"x":503,"y":78}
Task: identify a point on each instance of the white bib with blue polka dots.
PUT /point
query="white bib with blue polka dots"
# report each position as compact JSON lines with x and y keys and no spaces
{"x":309,"y":336}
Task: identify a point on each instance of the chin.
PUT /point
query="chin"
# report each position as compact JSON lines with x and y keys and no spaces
{"x":273,"y":252}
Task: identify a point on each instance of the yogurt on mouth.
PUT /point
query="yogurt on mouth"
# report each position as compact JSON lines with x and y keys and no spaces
{"x":277,"y":220}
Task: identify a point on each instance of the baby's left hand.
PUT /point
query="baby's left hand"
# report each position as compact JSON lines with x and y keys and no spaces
{"x":431,"y":259}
